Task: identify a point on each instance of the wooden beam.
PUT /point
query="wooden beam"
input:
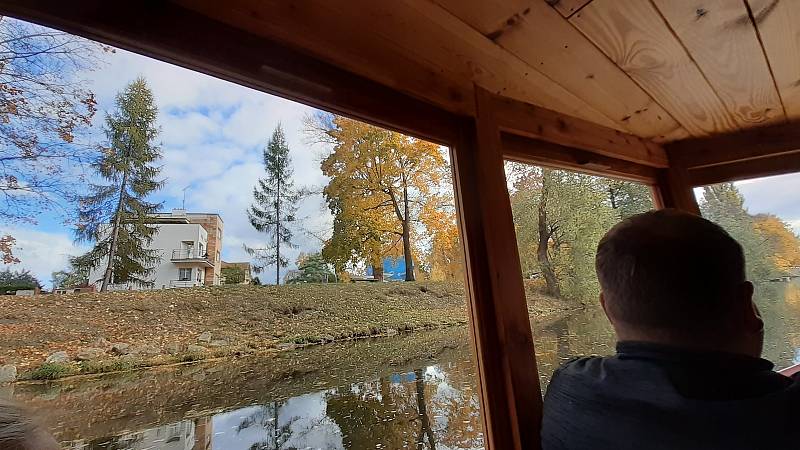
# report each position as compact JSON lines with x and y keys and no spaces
{"x":743,"y":170}
{"x":675,"y":191}
{"x":527,"y":120}
{"x":774,"y":140}
{"x":567,"y":7}
{"x":164,"y":31}
{"x":511,"y":401}
{"x":532,"y":151}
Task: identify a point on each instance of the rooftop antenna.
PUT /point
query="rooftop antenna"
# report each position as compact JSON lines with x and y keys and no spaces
{"x":183,"y":205}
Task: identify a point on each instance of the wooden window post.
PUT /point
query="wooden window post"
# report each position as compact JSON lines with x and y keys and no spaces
{"x":511,"y":400}
{"x":673,"y":190}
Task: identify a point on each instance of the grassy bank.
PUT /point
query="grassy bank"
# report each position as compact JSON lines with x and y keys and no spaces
{"x":161,"y":327}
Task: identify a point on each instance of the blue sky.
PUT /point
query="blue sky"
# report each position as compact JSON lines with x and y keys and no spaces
{"x":212,"y":136}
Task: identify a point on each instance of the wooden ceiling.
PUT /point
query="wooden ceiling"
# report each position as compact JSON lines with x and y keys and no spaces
{"x":659,"y":69}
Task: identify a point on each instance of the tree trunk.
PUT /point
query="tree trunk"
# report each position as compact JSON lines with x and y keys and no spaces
{"x":377,"y":270}
{"x":425,"y":424}
{"x":407,"y":251}
{"x":544,"y":238}
{"x":275,"y":425}
{"x":278,"y":234}
{"x":407,"y":237}
{"x":112,"y":251}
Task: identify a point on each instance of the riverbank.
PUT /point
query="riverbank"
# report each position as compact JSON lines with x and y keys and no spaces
{"x":47,"y":337}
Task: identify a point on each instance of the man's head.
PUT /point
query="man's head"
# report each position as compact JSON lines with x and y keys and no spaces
{"x":675,"y":278}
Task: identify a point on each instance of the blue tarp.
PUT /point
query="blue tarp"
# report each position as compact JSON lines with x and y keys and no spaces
{"x":393,"y":269}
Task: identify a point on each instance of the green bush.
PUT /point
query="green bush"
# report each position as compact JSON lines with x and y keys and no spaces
{"x":191,"y":357}
{"x":50,"y":371}
{"x":107,"y":366}
{"x":11,"y":288}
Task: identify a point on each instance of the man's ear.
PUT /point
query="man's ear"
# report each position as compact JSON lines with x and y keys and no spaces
{"x":753,"y":315}
{"x":603,"y":304}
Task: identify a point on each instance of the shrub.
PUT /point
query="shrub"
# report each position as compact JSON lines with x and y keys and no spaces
{"x":107,"y":366}
{"x":50,"y":371}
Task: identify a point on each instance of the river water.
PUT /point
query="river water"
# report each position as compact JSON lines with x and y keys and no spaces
{"x":413,"y":391}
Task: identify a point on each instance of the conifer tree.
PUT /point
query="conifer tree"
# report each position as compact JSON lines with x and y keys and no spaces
{"x":116,"y":216}
{"x":275,"y":205}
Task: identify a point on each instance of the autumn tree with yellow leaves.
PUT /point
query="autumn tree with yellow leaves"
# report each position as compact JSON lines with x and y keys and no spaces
{"x":778,"y":237}
{"x":385,"y":190}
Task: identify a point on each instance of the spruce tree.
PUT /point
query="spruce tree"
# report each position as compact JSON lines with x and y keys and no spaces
{"x":116,"y":216}
{"x":275,"y":205}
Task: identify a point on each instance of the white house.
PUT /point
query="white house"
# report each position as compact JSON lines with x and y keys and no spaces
{"x":188,"y":255}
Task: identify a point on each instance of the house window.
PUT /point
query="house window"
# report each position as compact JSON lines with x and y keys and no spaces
{"x":185,"y":274}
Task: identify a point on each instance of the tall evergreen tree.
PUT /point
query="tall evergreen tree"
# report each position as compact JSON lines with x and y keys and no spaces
{"x":116,"y":216}
{"x":275,"y":204}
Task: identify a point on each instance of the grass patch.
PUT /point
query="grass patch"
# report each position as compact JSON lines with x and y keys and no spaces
{"x":191,"y":357}
{"x":50,"y":371}
{"x":87,"y":367}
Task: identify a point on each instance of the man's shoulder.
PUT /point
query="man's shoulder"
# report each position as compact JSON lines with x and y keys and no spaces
{"x":581,"y":365}
{"x":578,"y":374}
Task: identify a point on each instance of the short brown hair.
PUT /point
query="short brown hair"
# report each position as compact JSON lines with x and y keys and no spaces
{"x":669,"y":269}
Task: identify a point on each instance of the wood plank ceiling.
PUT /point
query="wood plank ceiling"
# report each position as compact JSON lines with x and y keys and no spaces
{"x":659,"y":69}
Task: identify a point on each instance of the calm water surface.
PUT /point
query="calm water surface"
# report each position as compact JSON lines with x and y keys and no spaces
{"x":414,"y":391}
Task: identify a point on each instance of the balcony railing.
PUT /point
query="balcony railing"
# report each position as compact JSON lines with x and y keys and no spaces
{"x":182,"y":253}
{"x":184,"y":283}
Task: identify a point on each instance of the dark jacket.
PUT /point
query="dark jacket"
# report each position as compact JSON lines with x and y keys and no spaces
{"x":650,"y":396}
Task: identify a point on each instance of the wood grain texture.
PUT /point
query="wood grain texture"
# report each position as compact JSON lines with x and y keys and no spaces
{"x":308,"y":26}
{"x":528,"y":120}
{"x":567,"y":7}
{"x":675,"y":190}
{"x":479,"y":59}
{"x":753,"y":143}
{"x":511,"y":399}
{"x":722,"y":40}
{"x":744,"y":170}
{"x":545,"y":41}
{"x":488,"y":17}
{"x":548,"y":154}
{"x":778,"y":23}
{"x":415,"y":47}
{"x":635,"y":37}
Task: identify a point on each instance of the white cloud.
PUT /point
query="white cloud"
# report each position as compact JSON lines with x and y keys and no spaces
{"x":795,"y":224}
{"x":773,"y":195}
{"x":42,"y":252}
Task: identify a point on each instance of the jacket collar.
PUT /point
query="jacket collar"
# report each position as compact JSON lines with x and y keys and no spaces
{"x":710,"y":360}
